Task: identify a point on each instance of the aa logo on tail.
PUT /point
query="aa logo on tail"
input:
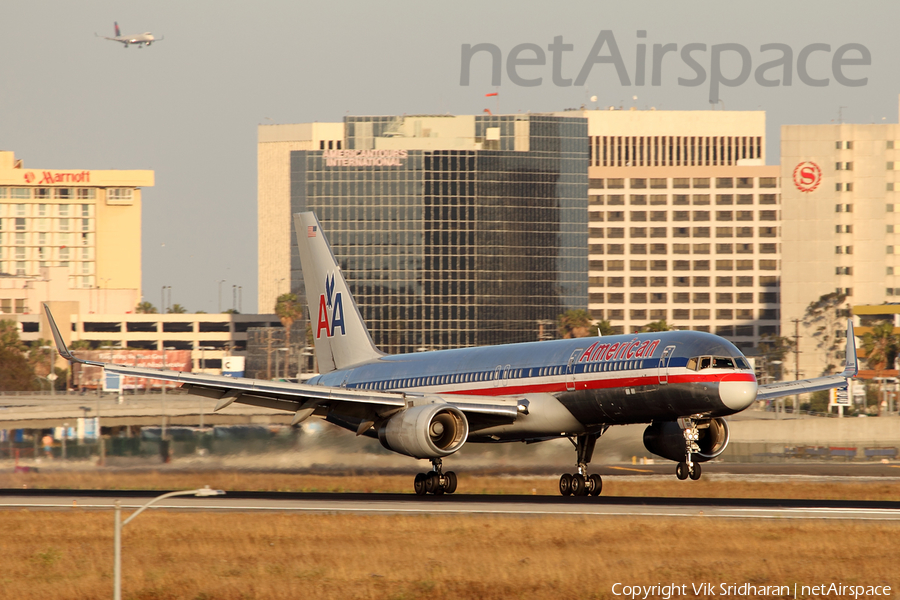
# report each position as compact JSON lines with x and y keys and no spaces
{"x":331,"y":310}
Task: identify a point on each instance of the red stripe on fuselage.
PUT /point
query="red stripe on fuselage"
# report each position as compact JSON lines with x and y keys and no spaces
{"x":600,"y":384}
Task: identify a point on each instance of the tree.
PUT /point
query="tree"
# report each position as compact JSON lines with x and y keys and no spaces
{"x":16,"y":373}
{"x":289,"y":310}
{"x":773,"y":350}
{"x":824,"y":321}
{"x":145,"y":308}
{"x":231,"y":311}
{"x":604,"y":328}
{"x":881,"y":347}
{"x":176,"y":309}
{"x":575,"y":324}
{"x":660,"y":325}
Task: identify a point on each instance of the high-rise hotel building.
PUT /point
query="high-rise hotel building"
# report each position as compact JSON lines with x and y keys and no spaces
{"x":841,"y":199}
{"x":450,"y":230}
{"x":684,"y":222}
{"x":82,"y":226}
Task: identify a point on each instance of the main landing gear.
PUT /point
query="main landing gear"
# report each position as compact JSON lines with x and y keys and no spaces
{"x":581,"y":484}
{"x":435,"y":481}
{"x":689,"y":468}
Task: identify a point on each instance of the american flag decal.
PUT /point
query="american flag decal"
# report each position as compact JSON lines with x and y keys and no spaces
{"x":311,"y":231}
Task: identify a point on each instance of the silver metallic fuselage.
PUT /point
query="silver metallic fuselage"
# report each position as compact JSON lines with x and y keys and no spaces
{"x":570,"y":385}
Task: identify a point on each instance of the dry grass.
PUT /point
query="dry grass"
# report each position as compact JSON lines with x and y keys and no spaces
{"x":276,"y":556}
{"x":708,"y":487}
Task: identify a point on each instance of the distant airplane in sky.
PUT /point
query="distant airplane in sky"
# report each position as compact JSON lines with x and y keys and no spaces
{"x":140,"y":39}
{"x":427,"y":405}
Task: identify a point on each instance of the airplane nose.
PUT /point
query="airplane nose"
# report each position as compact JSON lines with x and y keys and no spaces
{"x":737,"y":395}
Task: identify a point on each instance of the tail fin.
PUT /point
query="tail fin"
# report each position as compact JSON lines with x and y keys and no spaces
{"x":118,"y":33}
{"x":341,"y":337}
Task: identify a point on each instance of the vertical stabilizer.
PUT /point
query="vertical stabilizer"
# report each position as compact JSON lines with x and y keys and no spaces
{"x":116,"y":25}
{"x":340,"y":335}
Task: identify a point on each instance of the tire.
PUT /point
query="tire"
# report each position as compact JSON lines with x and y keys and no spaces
{"x":432,"y":482}
{"x":681,"y":471}
{"x":596,"y":485}
{"x":450,"y":476}
{"x":579,"y":485}
{"x":695,"y":473}
{"x":565,"y":484}
{"x":419,"y":484}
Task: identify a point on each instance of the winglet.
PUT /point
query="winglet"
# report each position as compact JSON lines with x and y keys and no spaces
{"x":851,"y":367}
{"x":57,"y":337}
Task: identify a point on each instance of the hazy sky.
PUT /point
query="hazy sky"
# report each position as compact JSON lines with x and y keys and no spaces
{"x":188,"y":107}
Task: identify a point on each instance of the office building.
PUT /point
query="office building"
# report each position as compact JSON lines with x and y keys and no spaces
{"x":684,"y":222}
{"x":451,"y":230}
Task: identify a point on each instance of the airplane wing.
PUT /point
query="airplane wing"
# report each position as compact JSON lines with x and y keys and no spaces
{"x":304,"y":399}
{"x":816,"y":384}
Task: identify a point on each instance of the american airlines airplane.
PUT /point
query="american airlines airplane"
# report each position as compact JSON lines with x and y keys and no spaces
{"x":427,"y":405}
{"x":140,"y":39}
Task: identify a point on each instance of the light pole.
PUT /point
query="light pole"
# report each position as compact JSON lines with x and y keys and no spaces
{"x":117,"y":568}
{"x":163,"y":307}
{"x":51,"y":376}
{"x":220,"y":282}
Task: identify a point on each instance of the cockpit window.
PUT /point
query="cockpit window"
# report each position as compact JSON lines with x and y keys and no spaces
{"x":722,"y":362}
{"x":698,"y":363}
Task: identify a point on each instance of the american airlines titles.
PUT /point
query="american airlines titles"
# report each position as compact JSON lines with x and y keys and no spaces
{"x":620,"y":350}
{"x":364,"y":158}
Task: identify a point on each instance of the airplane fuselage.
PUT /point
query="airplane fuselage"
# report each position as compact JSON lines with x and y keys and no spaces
{"x":579,"y":383}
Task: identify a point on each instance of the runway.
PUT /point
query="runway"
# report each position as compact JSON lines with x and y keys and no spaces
{"x":524,"y":506}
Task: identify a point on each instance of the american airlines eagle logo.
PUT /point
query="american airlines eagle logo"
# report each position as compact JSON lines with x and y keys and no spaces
{"x":331,"y":310}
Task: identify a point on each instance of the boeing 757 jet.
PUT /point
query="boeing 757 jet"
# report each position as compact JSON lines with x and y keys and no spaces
{"x":140,"y":39}
{"x":427,"y":405}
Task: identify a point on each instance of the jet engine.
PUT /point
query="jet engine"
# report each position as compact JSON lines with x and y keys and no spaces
{"x":666,"y":439}
{"x":427,"y":431}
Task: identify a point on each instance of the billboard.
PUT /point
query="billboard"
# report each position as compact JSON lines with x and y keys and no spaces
{"x":89,"y":377}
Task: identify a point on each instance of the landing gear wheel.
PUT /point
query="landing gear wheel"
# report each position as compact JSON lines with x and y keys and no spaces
{"x":681,"y":471}
{"x":432,"y":482}
{"x":579,"y":485}
{"x":565,"y":484}
{"x":450,"y":484}
{"x":695,"y":472}
{"x":596,"y":484}
{"x":419,"y":484}
{"x":438,"y":488}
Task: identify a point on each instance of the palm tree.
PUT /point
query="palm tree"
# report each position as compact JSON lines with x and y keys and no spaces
{"x":575,"y":324}
{"x":176,"y":309}
{"x":660,"y":325}
{"x":288,"y":309}
{"x":145,"y":308}
{"x":881,"y":347}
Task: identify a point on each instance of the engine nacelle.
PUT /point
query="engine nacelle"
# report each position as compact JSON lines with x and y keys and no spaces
{"x":427,"y":431}
{"x":666,"y":439}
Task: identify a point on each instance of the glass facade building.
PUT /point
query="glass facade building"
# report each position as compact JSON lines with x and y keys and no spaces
{"x":471,"y":244}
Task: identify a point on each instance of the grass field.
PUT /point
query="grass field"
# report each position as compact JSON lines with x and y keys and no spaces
{"x":68,"y":554}
{"x":707,"y":487}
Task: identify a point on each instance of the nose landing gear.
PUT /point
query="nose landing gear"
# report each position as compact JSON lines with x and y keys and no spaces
{"x":435,"y":481}
{"x":689,"y":468}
